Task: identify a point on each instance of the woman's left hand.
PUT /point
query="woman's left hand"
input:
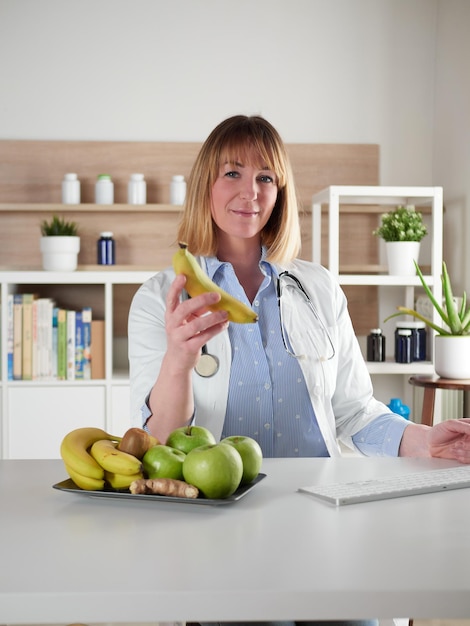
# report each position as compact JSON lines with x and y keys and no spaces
{"x":451,"y":440}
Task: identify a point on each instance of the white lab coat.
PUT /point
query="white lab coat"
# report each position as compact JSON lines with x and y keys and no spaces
{"x":340,"y":387}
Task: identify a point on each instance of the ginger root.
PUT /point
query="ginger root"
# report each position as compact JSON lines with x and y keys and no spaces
{"x":164,"y":487}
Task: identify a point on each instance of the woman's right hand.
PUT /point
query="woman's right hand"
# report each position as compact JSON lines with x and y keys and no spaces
{"x":189,"y":325}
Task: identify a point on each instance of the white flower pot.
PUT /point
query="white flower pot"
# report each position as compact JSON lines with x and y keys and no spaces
{"x":400,"y":257}
{"x":60,"y":254}
{"x":452,"y":356}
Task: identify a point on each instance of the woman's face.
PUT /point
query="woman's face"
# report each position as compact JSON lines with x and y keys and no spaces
{"x":243,"y":197}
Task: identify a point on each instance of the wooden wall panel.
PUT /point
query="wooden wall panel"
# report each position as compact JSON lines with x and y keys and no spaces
{"x":30,"y":188}
{"x":32,"y":171}
{"x":144,"y":237}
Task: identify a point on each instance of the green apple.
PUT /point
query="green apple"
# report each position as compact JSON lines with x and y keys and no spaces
{"x":215,"y":469}
{"x":161,"y":461}
{"x":251,"y":454}
{"x":186,"y":438}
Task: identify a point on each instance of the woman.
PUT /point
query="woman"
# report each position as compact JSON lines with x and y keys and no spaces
{"x":296,"y":380}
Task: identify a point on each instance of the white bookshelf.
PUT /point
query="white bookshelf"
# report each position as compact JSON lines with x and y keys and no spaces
{"x":36,"y":414}
{"x":338,"y":200}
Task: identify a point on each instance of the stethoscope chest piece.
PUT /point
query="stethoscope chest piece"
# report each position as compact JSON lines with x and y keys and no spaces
{"x":207,"y":365}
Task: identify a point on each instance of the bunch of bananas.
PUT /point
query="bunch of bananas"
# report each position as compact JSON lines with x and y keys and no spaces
{"x":197,"y":282}
{"x":95,"y":459}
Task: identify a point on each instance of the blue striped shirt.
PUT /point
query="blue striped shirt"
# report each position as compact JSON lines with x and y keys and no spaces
{"x":268,"y":398}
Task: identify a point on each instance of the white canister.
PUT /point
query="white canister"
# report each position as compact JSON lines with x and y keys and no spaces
{"x":70,"y":189}
{"x":137,"y":189}
{"x":177,"y":190}
{"x":104,"y":189}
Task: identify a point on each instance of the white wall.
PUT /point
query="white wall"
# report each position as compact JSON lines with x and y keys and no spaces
{"x":320,"y":70}
{"x":452,"y":134}
{"x":392,"y":72}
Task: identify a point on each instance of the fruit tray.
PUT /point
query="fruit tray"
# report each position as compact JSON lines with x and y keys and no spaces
{"x":69,"y":486}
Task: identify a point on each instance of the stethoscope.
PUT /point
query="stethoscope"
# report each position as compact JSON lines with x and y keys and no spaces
{"x":313,"y":308}
{"x":208,"y":364}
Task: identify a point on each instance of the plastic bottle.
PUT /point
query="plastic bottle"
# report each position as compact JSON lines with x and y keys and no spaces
{"x":375,"y":345}
{"x":104,"y":189}
{"x":137,"y":189}
{"x":398,"y":407}
{"x":418,"y":339}
{"x":420,"y":342}
{"x":403,"y":345}
{"x":177,"y":190}
{"x":70,"y":189}
{"x":106,"y":249}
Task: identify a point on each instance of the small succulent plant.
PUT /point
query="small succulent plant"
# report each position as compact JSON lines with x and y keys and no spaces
{"x":58,"y":227}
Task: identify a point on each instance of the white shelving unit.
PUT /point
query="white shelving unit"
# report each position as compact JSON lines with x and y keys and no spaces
{"x":35,"y":415}
{"x":334,"y":200}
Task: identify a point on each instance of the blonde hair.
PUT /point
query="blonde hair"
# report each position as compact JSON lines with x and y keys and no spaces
{"x":233,"y":139}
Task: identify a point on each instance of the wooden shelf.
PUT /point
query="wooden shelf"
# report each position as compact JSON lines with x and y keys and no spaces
{"x":43,"y":207}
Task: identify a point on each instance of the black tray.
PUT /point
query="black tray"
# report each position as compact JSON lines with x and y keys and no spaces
{"x":69,"y":486}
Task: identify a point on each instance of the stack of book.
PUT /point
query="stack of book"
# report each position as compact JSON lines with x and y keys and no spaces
{"x":47,"y":342}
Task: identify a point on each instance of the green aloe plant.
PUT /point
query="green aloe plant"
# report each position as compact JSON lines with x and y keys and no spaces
{"x":58,"y":227}
{"x":457,"y":320}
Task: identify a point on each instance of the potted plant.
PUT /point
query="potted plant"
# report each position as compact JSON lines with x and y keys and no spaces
{"x":402,"y":230}
{"x":59,"y":244}
{"x":452,"y":339}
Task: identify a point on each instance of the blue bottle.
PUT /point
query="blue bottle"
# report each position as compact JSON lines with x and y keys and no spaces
{"x":403,"y":345}
{"x":106,"y":249}
{"x":399,"y":408}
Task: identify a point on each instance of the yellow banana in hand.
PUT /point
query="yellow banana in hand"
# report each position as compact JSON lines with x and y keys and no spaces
{"x":74,"y":451}
{"x":197,"y":282}
{"x":113,"y":460}
{"x":85,"y":482}
{"x":121,"y":481}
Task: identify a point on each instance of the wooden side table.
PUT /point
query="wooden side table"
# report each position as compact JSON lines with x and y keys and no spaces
{"x":430,"y":384}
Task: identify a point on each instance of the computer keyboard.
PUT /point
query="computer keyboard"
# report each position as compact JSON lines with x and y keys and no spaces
{"x":393,"y":487}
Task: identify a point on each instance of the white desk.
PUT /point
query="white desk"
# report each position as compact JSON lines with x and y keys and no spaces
{"x":275,"y":554}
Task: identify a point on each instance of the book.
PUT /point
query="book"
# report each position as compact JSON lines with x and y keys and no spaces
{"x":42,"y":341}
{"x":10,"y":336}
{"x":35,"y":349}
{"x":55,"y":337}
{"x":78,"y":345}
{"x":97,"y":349}
{"x":39,"y":339}
{"x":62,"y":344}
{"x":87,"y":317}
{"x":17,"y":336}
{"x":46,"y":314}
{"x":70,"y":345}
{"x":27,"y":337}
